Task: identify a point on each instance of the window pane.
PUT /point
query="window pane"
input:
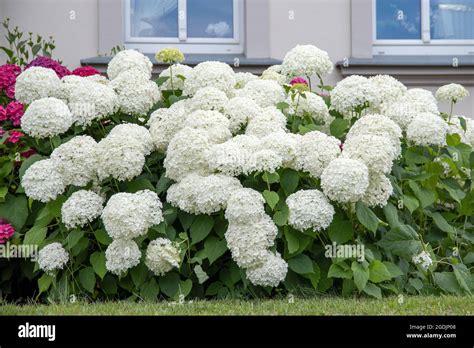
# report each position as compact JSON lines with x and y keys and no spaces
{"x":398,"y":19}
{"x":210,"y":18}
{"x":154,"y":18}
{"x":452,"y":19}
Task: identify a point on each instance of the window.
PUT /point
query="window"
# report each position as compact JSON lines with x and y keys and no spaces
{"x":417,"y":27}
{"x":194,"y":26}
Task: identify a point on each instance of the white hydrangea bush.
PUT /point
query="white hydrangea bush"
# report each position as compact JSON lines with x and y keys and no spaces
{"x":215,"y":182}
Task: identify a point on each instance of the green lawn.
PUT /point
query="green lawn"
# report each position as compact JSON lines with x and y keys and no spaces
{"x":445,"y":305}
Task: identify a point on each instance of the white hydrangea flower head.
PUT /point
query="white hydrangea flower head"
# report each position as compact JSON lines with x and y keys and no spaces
{"x":245,"y":206}
{"x":270,"y":273}
{"x":76,"y":160}
{"x":311,"y":104}
{"x":121,"y":255}
{"x":400,"y":112}
{"x":267,"y":161}
{"x":230,"y":158}
{"x":423,"y":259}
{"x":187,"y":153}
{"x":376,"y":152}
{"x":242,"y":78}
{"x":427,"y":129}
{"x":162,"y":256}
{"x":239,"y":111}
{"x":306,"y":60}
{"x":164,"y":124}
{"x":46,"y":117}
{"x":284,"y":144}
{"x":36,"y":83}
{"x":91,"y":101}
{"x":120,"y":158}
{"x":81,"y":208}
{"x":177,"y":70}
{"x":52,"y":257}
{"x":248,"y":242}
{"x":264,"y":92}
{"x":210,"y":74}
{"x":380,"y":125}
{"x":345,"y":180}
{"x":42,"y":181}
{"x":127,"y":60}
{"x":354,"y":92}
{"x":130,"y":215}
{"x":389,"y":88}
{"x":455,"y":127}
{"x":181,"y":107}
{"x":213,"y":122}
{"x":314,"y":152}
{"x":379,"y":191}
{"x":309,"y":209}
{"x":67,"y":85}
{"x":136,"y":94}
{"x":196,"y":194}
{"x":274,"y":76}
{"x":276,"y":68}
{"x":208,"y":98}
{"x":269,"y":120}
{"x":451,"y":93}
{"x":421,"y":100}
{"x":135,"y":135}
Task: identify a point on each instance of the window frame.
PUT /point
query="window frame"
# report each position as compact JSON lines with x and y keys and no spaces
{"x":422,"y":46}
{"x":188,"y":45}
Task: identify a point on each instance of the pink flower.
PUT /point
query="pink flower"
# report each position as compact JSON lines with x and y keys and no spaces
{"x":299,"y":81}
{"x":14,"y":137}
{"x":29,"y":153}
{"x":10,"y":91}
{"x":47,"y":62}
{"x":3,"y":114}
{"x":6,"y":231}
{"x":8,"y":74}
{"x":85,"y":71}
{"x":15,"y":111}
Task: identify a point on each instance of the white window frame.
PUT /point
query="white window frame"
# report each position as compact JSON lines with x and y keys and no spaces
{"x":424,"y":46}
{"x":233,"y":45}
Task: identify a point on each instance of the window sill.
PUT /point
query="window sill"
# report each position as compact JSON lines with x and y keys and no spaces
{"x":239,"y":62}
{"x":414,"y":70}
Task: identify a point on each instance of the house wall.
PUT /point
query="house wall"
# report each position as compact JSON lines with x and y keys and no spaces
{"x":75,"y":33}
{"x":272,"y":28}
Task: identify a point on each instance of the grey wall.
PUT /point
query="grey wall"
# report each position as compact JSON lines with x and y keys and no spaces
{"x":75,"y":38}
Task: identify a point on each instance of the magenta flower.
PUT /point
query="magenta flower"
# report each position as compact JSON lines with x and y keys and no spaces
{"x":10,"y":91}
{"x":15,"y":111}
{"x":29,"y":153}
{"x":85,"y":71}
{"x":46,"y":62}
{"x":6,"y":231}
{"x":8,"y":74}
{"x":298,"y":81}
{"x":3,"y":114}
{"x":14,"y":137}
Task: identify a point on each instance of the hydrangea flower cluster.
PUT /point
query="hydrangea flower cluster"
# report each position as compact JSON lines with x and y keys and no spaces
{"x":250,"y":234}
{"x":52,"y":257}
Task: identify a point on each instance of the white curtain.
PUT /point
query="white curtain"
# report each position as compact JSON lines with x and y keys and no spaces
{"x":452,"y":19}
